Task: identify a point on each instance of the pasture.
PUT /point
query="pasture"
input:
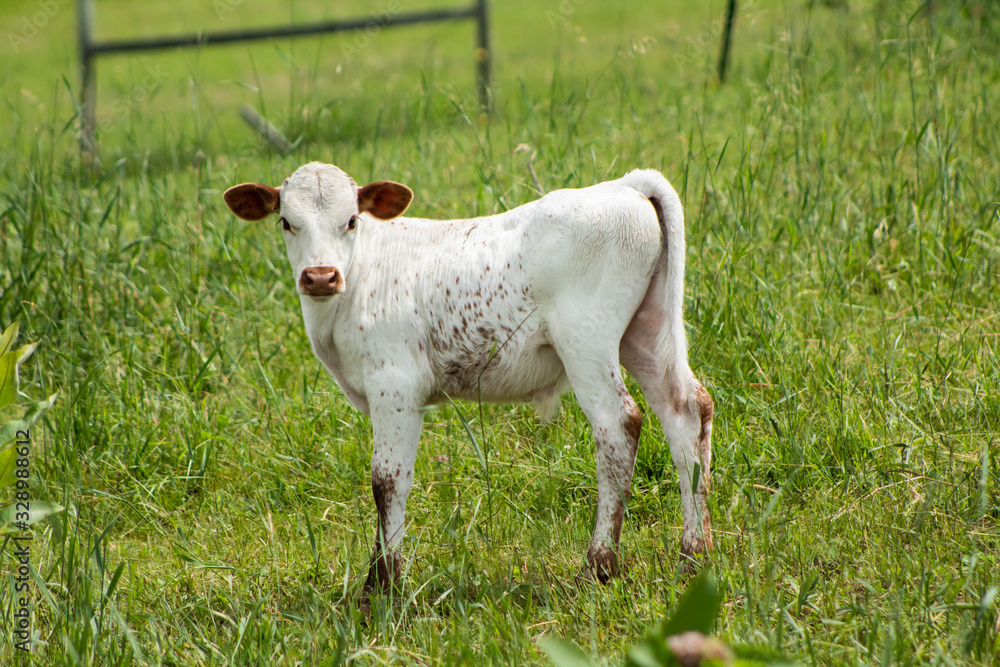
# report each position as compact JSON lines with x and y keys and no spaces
{"x":843,"y":279}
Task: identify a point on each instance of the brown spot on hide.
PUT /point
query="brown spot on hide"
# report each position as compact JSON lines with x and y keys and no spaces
{"x":386,"y":564}
{"x":453,"y":370}
{"x":706,"y":528}
{"x":706,"y":410}
{"x":632,"y":420}
{"x":383,"y":489}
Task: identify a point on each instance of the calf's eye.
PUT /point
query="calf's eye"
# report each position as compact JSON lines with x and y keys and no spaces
{"x":284,"y":225}
{"x":353,"y":222}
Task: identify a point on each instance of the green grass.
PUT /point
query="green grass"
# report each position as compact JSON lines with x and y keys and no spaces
{"x":842,"y":196}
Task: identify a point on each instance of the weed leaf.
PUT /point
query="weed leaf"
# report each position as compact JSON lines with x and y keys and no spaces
{"x":8,"y":456}
{"x":37,"y":510}
{"x":9,"y":363}
{"x":7,"y":338}
{"x":564,"y":653}
{"x":8,"y":431}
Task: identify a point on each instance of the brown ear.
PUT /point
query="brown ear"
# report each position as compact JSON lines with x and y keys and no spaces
{"x":384,"y":199}
{"x":252,"y":201}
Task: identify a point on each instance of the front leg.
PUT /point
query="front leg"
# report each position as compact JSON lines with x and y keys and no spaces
{"x":396,"y":424}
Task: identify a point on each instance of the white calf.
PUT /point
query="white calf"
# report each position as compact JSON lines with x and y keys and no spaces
{"x":406,"y":312}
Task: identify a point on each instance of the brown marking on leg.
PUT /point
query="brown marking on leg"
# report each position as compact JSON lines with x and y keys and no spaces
{"x":706,"y":528}
{"x":616,"y":460}
{"x":383,"y":490}
{"x":632,"y":420}
{"x":621,"y":463}
{"x":692,"y":545}
{"x":706,"y":410}
{"x":386,"y":564}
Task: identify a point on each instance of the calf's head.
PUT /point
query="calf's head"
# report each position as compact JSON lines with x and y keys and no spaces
{"x":321,"y":211}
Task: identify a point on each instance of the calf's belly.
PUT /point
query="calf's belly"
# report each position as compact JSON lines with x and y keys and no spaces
{"x":503,"y":374}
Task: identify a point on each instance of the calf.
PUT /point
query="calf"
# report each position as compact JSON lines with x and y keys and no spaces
{"x":558,"y":293}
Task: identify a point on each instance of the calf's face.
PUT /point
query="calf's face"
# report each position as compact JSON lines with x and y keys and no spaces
{"x":320,"y":210}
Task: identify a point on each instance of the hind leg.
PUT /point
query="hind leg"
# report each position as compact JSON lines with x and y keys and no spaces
{"x":687,"y":423}
{"x":685,"y":411}
{"x":595,"y":375}
{"x":616,"y":424}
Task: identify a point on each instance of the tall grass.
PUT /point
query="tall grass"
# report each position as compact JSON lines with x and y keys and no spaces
{"x":842,"y":210}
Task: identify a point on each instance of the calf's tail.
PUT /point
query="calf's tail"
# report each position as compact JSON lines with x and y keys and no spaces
{"x":671,"y":348}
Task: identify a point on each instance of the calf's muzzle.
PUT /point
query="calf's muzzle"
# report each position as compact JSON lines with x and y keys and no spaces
{"x":320,"y":281}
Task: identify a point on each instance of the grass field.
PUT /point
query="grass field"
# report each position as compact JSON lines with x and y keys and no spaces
{"x":842,"y":193}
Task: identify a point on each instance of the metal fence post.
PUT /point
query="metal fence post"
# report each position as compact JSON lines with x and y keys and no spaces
{"x":727,"y":38}
{"x":484,"y":75}
{"x":88,"y":82}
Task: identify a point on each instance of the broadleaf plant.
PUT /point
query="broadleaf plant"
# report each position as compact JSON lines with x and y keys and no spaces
{"x":680,"y":640}
{"x":10,"y":452}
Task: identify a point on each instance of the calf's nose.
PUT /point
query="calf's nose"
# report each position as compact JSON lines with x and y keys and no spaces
{"x":320,"y":281}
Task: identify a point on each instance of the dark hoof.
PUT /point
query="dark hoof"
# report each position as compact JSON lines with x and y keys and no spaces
{"x":602,"y":564}
{"x":587,"y":577}
{"x":384,"y":572}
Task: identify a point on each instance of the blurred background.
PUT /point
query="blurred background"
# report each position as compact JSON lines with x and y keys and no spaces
{"x":356,"y":86}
